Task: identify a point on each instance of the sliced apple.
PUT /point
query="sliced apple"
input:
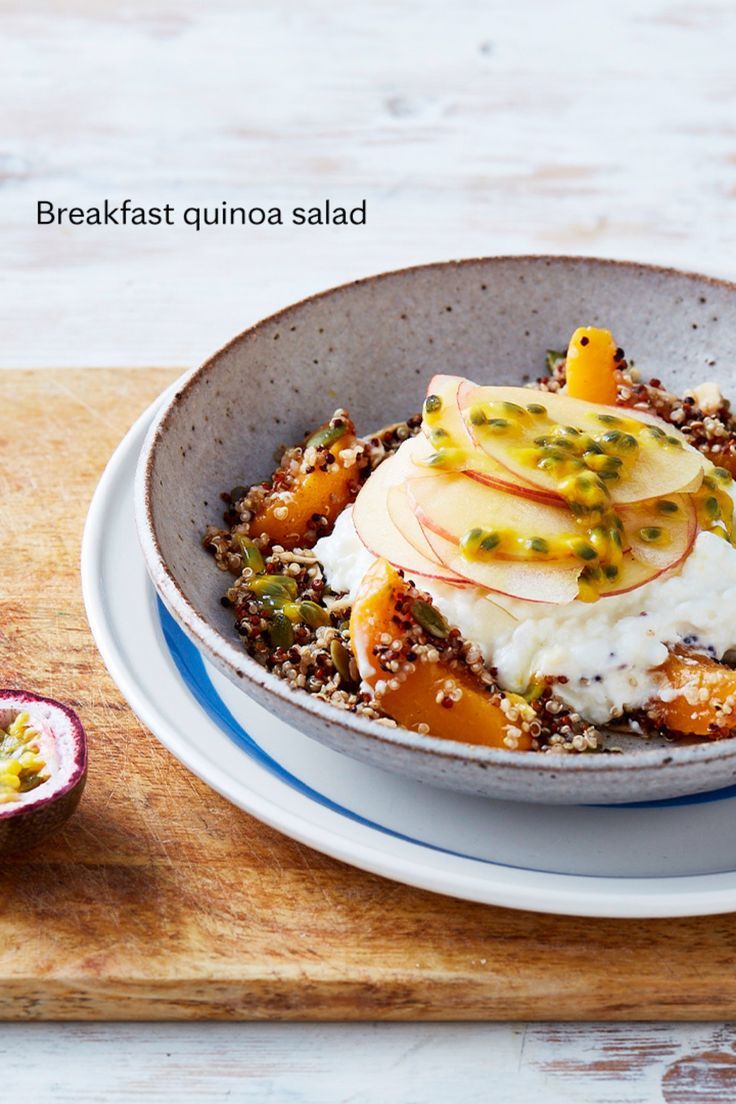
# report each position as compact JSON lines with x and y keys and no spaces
{"x":661,"y":467}
{"x":451,"y":505}
{"x":380,"y":535}
{"x":660,"y":532}
{"x":447,"y":429}
{"x":448,"y":422}
{"x":556,"y":583}
{"x":402,"y":515}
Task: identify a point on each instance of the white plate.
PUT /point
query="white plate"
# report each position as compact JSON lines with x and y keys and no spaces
{"x":670,"y":858}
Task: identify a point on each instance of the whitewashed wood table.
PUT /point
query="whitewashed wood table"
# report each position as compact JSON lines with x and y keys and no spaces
{"x":471,"y":128}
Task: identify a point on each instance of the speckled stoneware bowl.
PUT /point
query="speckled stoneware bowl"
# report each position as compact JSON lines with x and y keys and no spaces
{"x":371,"y":346}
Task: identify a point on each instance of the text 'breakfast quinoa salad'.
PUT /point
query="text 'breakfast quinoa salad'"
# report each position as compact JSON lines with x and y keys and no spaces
{"x":516,"y":567}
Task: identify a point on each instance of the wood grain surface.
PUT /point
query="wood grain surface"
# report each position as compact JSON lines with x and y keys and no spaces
{"x":594,"y":1063}
{"x":481,"y":126}
{"x":161,"y":901}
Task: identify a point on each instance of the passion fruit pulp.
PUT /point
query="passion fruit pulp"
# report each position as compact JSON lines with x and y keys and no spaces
{"x":43,"y":767}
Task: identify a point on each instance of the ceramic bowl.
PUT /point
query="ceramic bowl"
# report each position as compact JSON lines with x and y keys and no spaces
{"x":371,"y":346}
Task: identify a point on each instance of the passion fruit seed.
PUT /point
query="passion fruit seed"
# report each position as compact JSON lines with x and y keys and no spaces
{"x":599,"y":462}
{"x":451,"y":458}
{"x":674,"y":442}
{"x":432,"y":404}
{"x":666,"y":506}
{"x":21,"y":767}
{"x":582,"y":549}
{"x":430,"y":619}
{"x":490,"y":542}
{"x":723,"y":475}
{"x":498,"y":425}
{"x":609,"y":419}
{"x":327,"y":436}
{"x":711,"y":506}
{"x":610,"y":571}
{"x":539,"y":545}
{"x":655,"y":432}
{"x":651,"y":534}
{"x":536,"y":408}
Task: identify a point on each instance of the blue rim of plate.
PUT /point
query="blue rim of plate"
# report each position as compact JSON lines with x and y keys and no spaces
{"x":193,"y":672}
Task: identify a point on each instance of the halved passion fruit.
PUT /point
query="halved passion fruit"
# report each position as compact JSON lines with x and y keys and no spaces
{"x":43,"y":767}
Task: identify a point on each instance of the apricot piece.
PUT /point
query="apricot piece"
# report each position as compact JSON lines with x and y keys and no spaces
{"x":706,"y":688}
{"x":439,"y":693}
{"x":318,"y":486}
{"x":591,"y":366}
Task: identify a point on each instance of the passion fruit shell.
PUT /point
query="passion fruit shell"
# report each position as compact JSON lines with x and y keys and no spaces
{"x":30,"y":816}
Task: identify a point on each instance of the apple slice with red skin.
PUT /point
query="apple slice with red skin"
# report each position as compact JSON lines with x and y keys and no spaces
{"x":530,"y":580}
{"x":380,"y":535}
{"x":658,"y":470}
{"x":680,"y":527}
{"x":402,"y":515}
{"x":478,"y":465}
{"x":451,"y":506}
{"x":632,"y":574}
{"x":450,"y":419}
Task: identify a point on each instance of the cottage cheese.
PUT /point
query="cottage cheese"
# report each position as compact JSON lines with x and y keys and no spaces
{"x":607,"y":650}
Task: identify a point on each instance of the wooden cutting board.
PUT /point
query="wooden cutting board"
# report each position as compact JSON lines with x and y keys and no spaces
{"x":161,"y":901}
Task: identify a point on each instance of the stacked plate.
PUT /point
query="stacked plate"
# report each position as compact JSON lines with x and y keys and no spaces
{"x":653,"y":858}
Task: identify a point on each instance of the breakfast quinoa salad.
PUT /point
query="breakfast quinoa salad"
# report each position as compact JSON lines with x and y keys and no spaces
{"x":518,"y":567}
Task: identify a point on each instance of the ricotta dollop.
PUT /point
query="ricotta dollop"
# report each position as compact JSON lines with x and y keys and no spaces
{"x":607,"y":651}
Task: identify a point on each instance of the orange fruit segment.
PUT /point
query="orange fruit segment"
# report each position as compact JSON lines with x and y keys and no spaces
{"x":437,"y":693}
{"x":706,"y":705}
{"x":298,"y":497}
{"x":590,"y":366}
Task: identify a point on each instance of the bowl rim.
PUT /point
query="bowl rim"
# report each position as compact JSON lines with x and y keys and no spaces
{"x":243,"y":669}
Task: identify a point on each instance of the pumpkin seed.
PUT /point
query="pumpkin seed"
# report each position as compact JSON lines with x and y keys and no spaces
{"x":280,"y":632}
{"x":251,"y":554}
{"x":430,"y":619}
{"x":313,"y":614}
{"x":274,"y":586}
{"x":341,"y":658}
{"x":327,"y":436}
